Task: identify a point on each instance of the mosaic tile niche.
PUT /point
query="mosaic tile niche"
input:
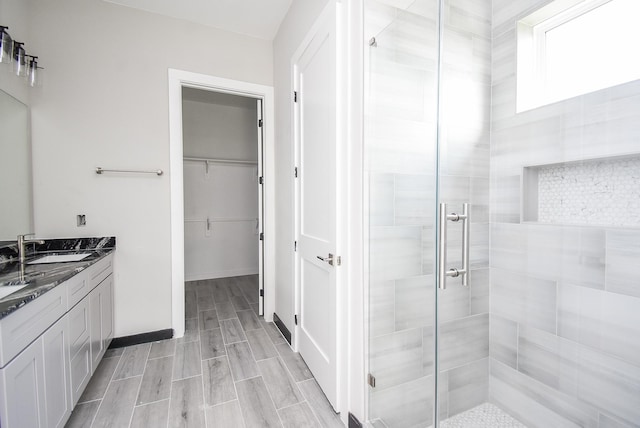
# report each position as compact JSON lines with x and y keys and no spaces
{"x":603,"y":192}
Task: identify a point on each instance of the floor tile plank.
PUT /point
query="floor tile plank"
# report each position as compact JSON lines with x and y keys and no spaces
{"x":226,"y":415}
{"x":117,"y":405}
{"x":261,"y":345}
{"x":241,"y":361}
{"x":99,"y":382}
{"x":212,"y":344}
{"x":156,"y":381}
{"x":232,"y":331}
{"x":132,"y":361}
{"x":257,"y":407}
{"x":319,"y":404}
{"x":209,"y":320}
{"x":294,"y":362}
{"x":298,"y":415}
{"x":163,"y":348}
{"x":187,"y":406}
{"x":280,"y":384}
{"x":218,"y":383}
{"x":226,"y":311}
{"x":249,"y":320}
{"x":83,"y":415}
{"x":152,"y":415}
{"x":186,"y":363}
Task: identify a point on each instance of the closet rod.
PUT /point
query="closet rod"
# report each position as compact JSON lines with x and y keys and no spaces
{"x":100,"y":170}
{"x":217,"y":160}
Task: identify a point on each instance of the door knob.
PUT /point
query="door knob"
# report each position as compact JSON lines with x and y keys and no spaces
{"x":328,"y":259}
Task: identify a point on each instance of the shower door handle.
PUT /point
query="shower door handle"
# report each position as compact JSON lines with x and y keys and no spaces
{"x":443,"y":273}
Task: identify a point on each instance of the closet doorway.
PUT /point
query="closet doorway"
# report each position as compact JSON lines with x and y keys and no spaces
{"x":231,"y":237}
{"x":222,"y":178}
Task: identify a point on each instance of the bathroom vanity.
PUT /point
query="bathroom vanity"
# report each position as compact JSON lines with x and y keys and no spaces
{"x":54,"y":328}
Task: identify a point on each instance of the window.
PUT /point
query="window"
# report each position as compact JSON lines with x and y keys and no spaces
{"x":572,"y":47}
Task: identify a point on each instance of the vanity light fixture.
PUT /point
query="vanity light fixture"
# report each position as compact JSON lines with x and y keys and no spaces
{"x":12,"y":52}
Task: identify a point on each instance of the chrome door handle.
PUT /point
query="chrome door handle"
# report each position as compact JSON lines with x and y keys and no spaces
{"x":328,"y":259}
{"x":443,"y":273}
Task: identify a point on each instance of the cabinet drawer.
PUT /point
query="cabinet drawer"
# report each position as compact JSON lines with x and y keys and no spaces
{"x":22,"y":327}
{"x":78,"y":319}
{"x":99,"y":271}
{"x":77,"y":288}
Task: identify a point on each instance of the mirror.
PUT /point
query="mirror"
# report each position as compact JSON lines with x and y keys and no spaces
{"x":16,"y":215}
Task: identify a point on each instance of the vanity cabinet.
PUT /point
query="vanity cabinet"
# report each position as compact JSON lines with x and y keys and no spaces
{"x":50,"y":348}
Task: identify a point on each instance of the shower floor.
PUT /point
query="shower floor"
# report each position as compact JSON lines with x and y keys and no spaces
{"x":483,"y":416}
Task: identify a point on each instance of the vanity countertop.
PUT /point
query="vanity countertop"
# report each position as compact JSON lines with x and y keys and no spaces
{"x":41,"y":278}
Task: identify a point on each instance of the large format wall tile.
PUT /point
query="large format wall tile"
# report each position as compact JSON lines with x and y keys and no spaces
{"x":396,"y":358}
{"x":404,"y":406}
{"x":395,"y":252}
{"x":524,"y":299}
{"x":463,"y":341}
{"x":468,"y":386}
{"x":622,"y":267}
{"x":606,"y":321}
{"x":414,"y":302}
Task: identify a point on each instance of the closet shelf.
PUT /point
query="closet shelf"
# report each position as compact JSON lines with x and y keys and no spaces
{"x":221,"y":161}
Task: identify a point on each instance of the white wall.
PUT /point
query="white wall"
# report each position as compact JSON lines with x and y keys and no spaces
{"x":293,"y":29}
{"x":220,"y":126}
{"x":105,"y":103}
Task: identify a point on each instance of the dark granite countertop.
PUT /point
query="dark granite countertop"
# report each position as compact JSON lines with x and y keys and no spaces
{"x":41,"y":278}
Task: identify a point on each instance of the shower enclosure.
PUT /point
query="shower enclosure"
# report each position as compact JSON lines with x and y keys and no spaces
{"x":503,"y":246}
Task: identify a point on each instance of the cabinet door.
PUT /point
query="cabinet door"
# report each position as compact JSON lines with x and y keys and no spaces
{"x":97,"y":344}
{"x":79,"y":347}
{"x":56,"y":374}
{"x":23,"y":391}
{"x":106,"y":289}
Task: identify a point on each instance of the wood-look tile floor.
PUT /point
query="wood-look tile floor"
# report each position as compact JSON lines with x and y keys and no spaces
{"x":231,"y":369}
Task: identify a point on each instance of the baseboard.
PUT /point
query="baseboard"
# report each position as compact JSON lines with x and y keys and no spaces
{"x":354,"y":422}
{"x":283,"y":328}
{"x":220,"y":274}
{"x":136,"y":339}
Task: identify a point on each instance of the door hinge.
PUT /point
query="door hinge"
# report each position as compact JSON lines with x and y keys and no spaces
{"x":261,"y":293}
{"x":338,"y":261}
{"x":295,"y":96}
{"x":295,"y":172}
{"x":261,"y":180}
{"x":295,"y":319}
{"x":261,"y":236}
{"x":295,"y":245}
{"x":371,"y":380}
{"x":260,"y":123}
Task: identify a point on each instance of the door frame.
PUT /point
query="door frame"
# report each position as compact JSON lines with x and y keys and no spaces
{"x":339,"y":10}
{"x":178,"y":79}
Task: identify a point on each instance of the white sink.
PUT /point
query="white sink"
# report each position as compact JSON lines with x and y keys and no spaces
{"x":5,"y":290}
{"x":60,"y":258}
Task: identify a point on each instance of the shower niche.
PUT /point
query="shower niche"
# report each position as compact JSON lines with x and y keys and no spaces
{"x":599,"y":192}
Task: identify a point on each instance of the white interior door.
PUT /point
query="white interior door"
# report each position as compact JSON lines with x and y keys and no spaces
{"x":260,"y":209}
{"x":317,"y":139}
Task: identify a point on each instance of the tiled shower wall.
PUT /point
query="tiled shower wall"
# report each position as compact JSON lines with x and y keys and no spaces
{"x":400,"y":163}
{"x":565,"y":299}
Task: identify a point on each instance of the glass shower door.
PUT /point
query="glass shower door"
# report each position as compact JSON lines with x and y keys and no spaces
{"x":421,"y":153}
{"x":400,"y":168}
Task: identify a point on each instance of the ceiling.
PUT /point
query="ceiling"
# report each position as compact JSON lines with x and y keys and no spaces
{"x":257,"y":18}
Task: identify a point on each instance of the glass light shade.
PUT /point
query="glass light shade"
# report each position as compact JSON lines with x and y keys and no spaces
{"x":19,"y":59}
{"x":6,"y":46}
{"x":34,"y":73}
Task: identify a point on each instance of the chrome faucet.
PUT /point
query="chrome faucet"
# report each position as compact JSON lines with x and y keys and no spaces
{"x":22,"y":242}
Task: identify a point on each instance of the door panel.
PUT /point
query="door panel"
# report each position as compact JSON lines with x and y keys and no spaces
{"x":316,"y":207}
